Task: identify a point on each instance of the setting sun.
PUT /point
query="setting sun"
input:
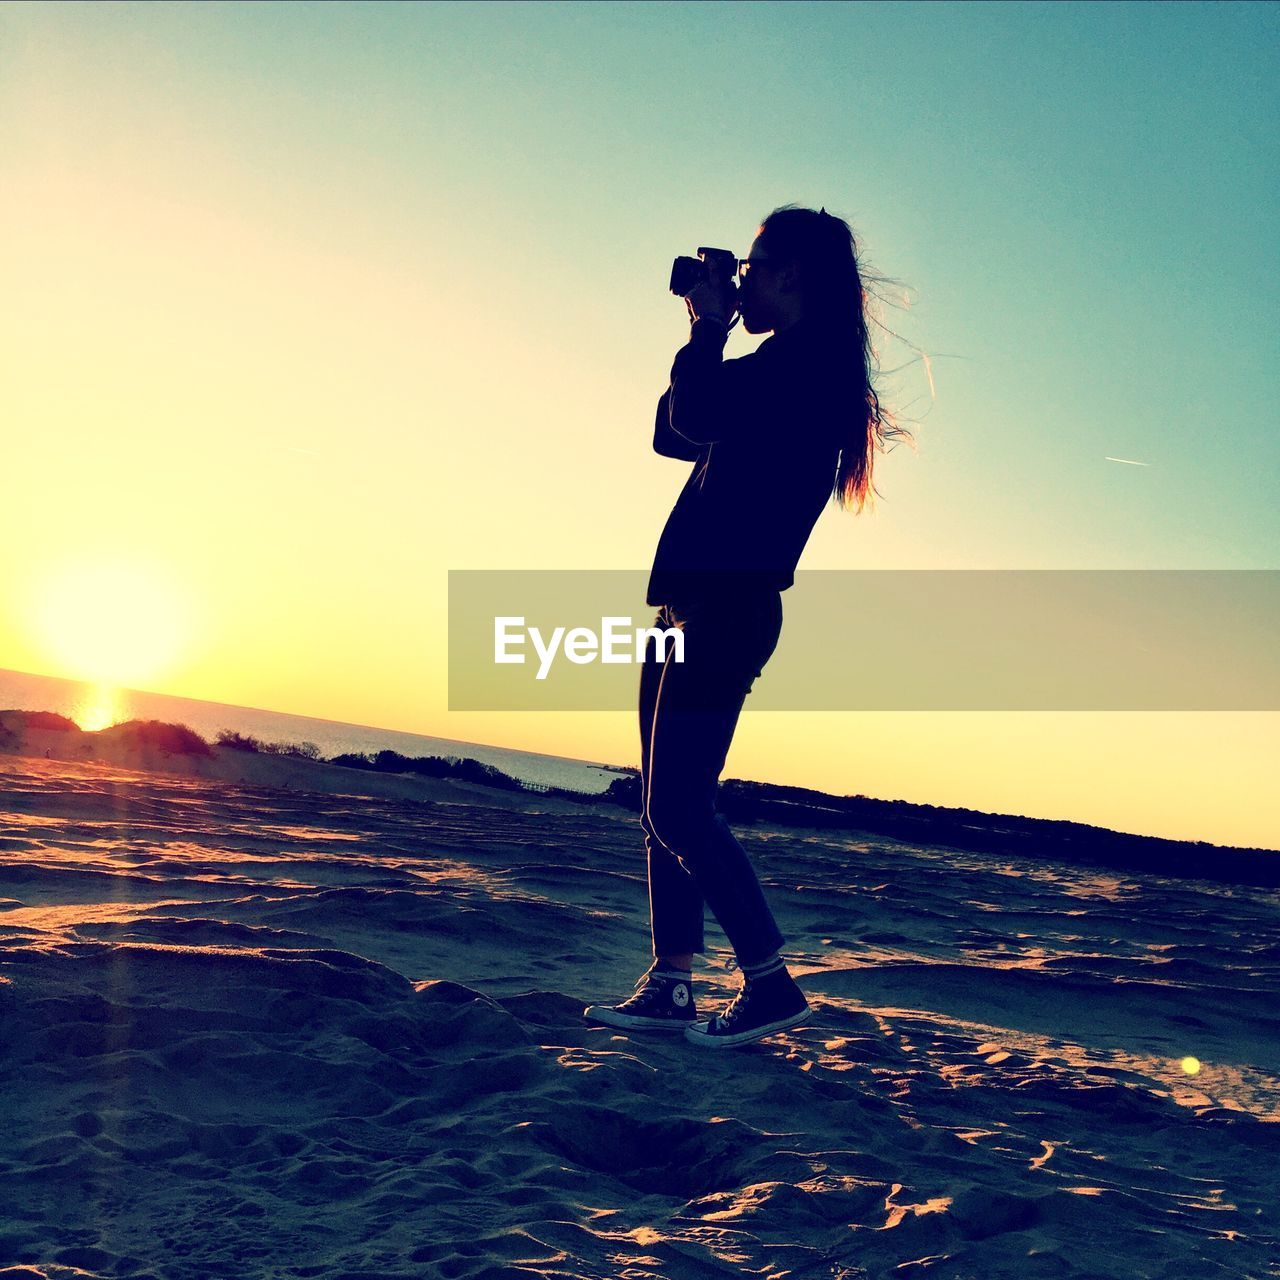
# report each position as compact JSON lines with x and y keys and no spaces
{"x":109,"y":619}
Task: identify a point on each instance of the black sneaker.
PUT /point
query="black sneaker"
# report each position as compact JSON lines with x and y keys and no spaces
{"x":763,"y":1007}
{"x":662,"y":1002}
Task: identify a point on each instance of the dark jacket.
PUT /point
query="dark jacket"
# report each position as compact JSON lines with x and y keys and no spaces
{"x":763,"y":432}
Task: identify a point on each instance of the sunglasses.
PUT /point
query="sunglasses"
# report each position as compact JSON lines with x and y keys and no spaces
{"x":747,"y":265}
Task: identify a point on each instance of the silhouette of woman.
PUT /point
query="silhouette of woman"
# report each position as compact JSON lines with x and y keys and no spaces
{"x":774,"y":435}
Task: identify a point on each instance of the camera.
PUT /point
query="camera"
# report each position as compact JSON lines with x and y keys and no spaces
{"x":688,"y":273}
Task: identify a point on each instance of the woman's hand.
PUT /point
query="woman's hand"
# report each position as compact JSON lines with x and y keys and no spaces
{"x":713,"y":299}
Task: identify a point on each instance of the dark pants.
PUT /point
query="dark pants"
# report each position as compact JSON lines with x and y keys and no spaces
{"x":688,"y":712}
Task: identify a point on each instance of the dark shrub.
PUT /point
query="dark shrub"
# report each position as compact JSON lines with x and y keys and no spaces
{"x":432,"y":766}
{"x":435,"y":767}
{"x":487,"y":775}
{"x":177,"y":739}
{"x":353,"y":760}
{"x":624,"y":792}
{"x":303,"y":750}
{"x":246,"y":742}
{"x":44,"y":720}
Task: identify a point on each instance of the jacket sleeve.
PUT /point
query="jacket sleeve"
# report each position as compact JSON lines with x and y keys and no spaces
{"x":711,"y":398}
{"x":668,"y":443}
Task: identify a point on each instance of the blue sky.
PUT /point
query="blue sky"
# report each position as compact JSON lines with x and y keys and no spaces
{"x":1078,"y":196}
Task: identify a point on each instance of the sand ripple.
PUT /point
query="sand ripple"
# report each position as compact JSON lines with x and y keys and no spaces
{"x":259,"y":1034}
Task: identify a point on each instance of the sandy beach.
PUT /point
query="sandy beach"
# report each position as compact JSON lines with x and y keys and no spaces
{"x":257,"y":1032}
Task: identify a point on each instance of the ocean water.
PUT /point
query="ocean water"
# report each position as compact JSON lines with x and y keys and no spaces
{"x":96,"y":707}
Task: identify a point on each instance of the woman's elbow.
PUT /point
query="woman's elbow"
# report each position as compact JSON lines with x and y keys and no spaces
{"x":690,"y":454}
{"x":689,"y":419}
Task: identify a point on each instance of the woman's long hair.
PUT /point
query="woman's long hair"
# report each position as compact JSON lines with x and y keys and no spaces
{"x":824,"y":248}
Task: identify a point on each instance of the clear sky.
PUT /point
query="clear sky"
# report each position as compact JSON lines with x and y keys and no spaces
{"x":305,"y":305}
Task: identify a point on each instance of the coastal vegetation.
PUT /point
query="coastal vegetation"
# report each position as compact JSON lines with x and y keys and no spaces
{"x":742,"y":802}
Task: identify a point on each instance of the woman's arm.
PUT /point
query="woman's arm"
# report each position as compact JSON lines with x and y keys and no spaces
{"x":711,"y":398}
{"x":670,"y":444}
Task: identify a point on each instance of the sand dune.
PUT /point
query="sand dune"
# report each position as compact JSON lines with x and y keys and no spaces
{"x":254,"y":1032}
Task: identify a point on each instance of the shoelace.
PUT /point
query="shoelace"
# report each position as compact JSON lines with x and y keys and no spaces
{"x":723,"y":1019}
{"x":737,"y":1004}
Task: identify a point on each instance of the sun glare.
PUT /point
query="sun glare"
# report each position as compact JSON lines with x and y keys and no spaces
{"x":113,"y":621}
{"x":98,"y":708}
